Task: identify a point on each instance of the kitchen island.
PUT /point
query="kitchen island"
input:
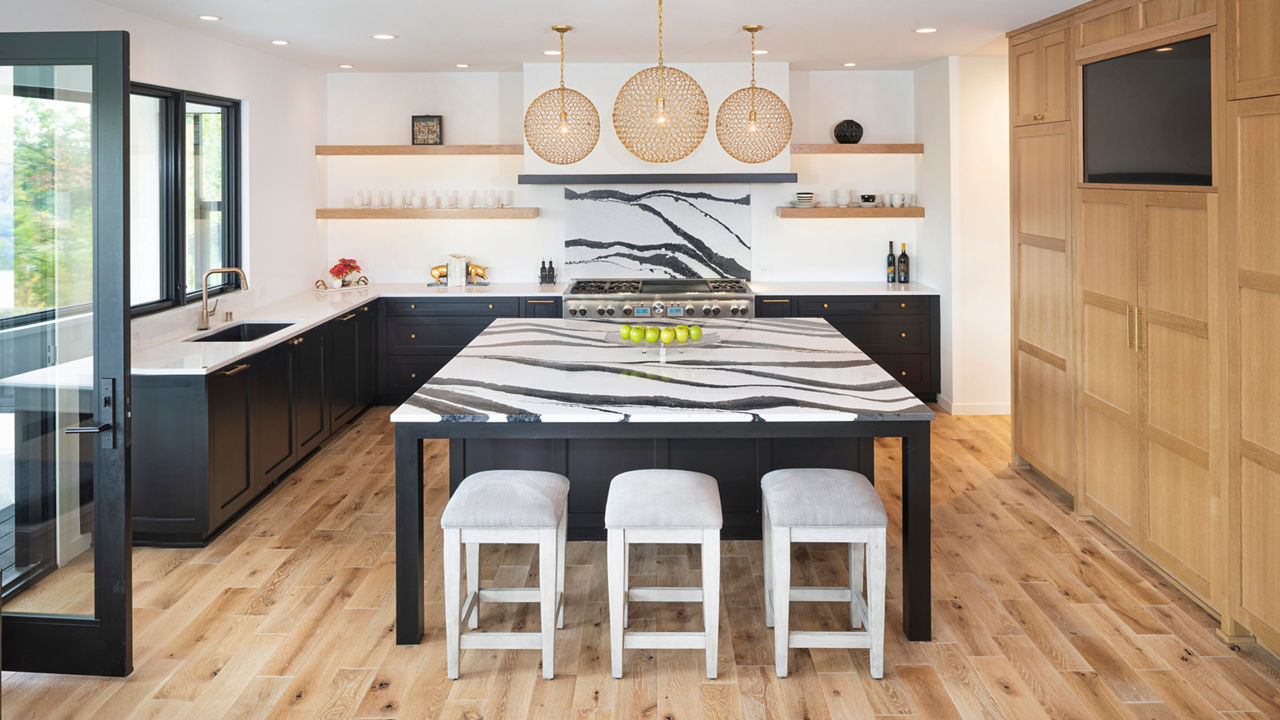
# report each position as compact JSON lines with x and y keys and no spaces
{"x":562,"y":395}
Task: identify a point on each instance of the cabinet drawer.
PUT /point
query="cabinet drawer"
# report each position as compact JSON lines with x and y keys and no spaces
{"x":540,"y":307}
{"x":418,"y":335}
{"x":407,"y":373}
{"x":484,"y":307}
{"x":913,"y":371}
{"x":774,"y":306}
{"x":861,"y":305}
{"x":905,"y":336}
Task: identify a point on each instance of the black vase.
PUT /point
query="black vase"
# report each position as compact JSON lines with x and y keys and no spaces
{"x":847,"y":132}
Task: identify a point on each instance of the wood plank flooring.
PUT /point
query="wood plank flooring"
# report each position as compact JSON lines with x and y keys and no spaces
{"x":289,"y":614}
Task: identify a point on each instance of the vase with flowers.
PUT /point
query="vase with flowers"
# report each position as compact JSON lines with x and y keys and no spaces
{"x":342,"y":271}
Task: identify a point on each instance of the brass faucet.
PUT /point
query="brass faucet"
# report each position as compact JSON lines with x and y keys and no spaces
{"x":205,"y":311}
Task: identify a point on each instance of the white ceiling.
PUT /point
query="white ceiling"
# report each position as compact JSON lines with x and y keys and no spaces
{"x":503,"y":34}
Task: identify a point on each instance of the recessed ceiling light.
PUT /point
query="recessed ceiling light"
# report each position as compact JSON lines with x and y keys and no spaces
{"x":210,"y":18}
{"x":924,"y":30}
{"x":462,"y":66}
{"x":851,"y":64}
{"x":1164,"y":49}
{"x":383,"y":36}
{"x":759,"y":52}
{"x":344,"y":66}
{"x":279,"y":42}
{"x":550,"y":52}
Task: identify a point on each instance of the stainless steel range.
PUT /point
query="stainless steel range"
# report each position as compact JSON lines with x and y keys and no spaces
{"x":659,"y":298}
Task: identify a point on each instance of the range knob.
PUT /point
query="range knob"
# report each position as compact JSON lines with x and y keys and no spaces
{"x":659,"y":308}
{"x":626,"y":310}
{"x":688,"y":310}
{"x":733,"y":310}
{"x":706,"y":309}
{"x":609,"y":311}
{"x":573,"y":311}
{"x":715,"y":310}
{"x":600,"y":311}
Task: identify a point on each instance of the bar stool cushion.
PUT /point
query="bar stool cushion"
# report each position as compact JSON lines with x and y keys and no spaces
{"x":821,"y":497}
{"x":663,"y":498}
{"x":507,"y":498}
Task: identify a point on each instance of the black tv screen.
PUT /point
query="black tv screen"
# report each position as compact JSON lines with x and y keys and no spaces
{"x":1148,"y":117}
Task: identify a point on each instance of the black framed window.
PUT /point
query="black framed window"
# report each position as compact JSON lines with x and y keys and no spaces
{"x":185,"y":197}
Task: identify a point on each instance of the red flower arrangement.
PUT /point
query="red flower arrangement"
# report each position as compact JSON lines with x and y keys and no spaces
{"x":344,"y":267}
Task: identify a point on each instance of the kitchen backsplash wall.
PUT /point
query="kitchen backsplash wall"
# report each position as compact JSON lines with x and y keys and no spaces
{"x":653,"y":231}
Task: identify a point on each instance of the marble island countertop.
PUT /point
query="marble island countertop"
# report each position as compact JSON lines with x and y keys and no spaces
{"x":763,"y":370}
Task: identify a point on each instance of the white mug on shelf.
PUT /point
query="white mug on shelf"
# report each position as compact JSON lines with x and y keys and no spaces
{"x":508,"y":198}
{"x":840,"y":198}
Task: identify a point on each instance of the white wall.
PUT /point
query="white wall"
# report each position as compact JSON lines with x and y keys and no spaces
{"x":962,"y":117}
{"x":283,"y":118}
{"x":489,"y":107}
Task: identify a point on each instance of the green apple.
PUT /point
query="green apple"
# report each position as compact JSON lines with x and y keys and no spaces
{"x":625,"y":332}
{"x":651,"y":334}
{"x":637,"y":333}
{"x":695,"y":332}
{"x":682,"y":333}
{"x":667,"y":335}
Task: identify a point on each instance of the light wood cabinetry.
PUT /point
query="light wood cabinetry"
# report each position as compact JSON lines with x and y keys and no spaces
{"x":1043,"y":425}
{"x":1252,"y":35}
{"x":1120,"y":25}
{"x":1038,"y":73}
{"x":1251,"y":218}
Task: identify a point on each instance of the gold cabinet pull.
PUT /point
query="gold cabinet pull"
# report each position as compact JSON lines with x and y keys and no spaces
{"x":779,"y":300}
{"x":236,"y":369}
{"x":902,"y":305}
{"x":904,"y":373}
{"x":413,"y":375}
{"x":413,"y":336}
{"x":296,"y":341}
{"x":903,"y":334}
{"x":825,"y":305}
{"x":490,"y":306}
{"x":547,"y":302}
{"x":365,"y":308}
{"x":413,"y":306}
{"x":345,"y":318}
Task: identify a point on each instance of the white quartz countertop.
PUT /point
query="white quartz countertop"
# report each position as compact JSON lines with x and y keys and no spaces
{"x":762,"y":370}
{"x":305,"y":311}
{"x":840,"y":288}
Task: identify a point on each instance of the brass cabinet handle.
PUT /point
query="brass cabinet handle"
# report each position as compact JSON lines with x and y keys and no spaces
{"x":296,"y":341}
{"x":903,"y":334}
{"x":413,"y":375}
{"x":904,"y":373}
{"x":902,"y":305}
{"x":345,"y":318}
{"x":365,"y":308}
{"x":236,"y":369}
{"x":413,"y":336}
{"x":490,"y":306}
{"x":825,"y":305}
{"x":547,"y":302}
{"x":413,"y":306}
{"x":777,"y":300}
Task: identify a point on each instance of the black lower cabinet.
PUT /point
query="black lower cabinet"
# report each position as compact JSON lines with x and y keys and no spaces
{"x":342,"y":371}
{"x":901,"y":333}
{"x":310,"y":411}
{"x":271,"y":414}
{"x":230,"y":477}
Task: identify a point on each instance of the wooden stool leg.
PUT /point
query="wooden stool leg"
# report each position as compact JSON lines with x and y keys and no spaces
{"x":857,"y":553}
{"x":547,"y":583}
{"x":452,"y":586}
{"x":767,"y":547}
{"x":562,"y":533}
{"x":473,"y":582}
{"x":617,"y":565}
{"x":781,"y":541}
{"x":711,"y":598}
{"x":876,"y":561}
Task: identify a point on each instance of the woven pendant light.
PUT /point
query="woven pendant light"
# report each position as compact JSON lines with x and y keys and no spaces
{"x":561,"y":125}
{"x":661,"y":113}
{"x":753,"y":124}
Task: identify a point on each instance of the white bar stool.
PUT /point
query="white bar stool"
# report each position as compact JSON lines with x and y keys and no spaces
{"x":505,"y":506}
{"x":667,"y":507}
{"x":822,"y":505}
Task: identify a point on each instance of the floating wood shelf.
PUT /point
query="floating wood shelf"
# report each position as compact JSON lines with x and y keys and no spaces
{"x":508,"y":213}
{"x":419,"y":150}
{"x":868,"y":149}
{"x":851,"y":212}
{"x":654,"y":178}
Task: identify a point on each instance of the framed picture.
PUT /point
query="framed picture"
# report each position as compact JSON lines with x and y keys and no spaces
{"x":428,"y":129}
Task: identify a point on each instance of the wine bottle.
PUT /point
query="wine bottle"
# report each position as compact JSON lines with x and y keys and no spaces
{"x":551,"y":272}
{"x":904,"y":266}
{"x":542,"y":273}
{"x":892,"y":264}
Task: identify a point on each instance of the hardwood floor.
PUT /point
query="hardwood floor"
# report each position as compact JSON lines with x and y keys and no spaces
{"x":289,"y":614}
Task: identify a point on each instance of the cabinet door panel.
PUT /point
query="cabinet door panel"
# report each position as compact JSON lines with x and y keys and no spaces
{"x":1253,"y":55}
{"x":367,"y":363}
{"x":1109,"y":371}
{"x":1111,"y":469}
{"x":1256,"y":126}
{"x":1108,"y":244}
{"x":1024,"y":66}
{"x":1041,"y":182}
{"x":310,"y":419}
{"x":1055,"y":63}
{"x":229,"y":476}
{"x":342,"y":367}
{"x":1177,"y":250}
{"x":1043,"y":417}
{"x":540,"y":307}
{"x":1177,"y":383}
{"x":1044,"y":299}
{"x":1179,"y":496}
{"x":1259,"y":355}
{"x":1260,"y":541}
{"x":767,"y":307}
{"x":271,"y":407}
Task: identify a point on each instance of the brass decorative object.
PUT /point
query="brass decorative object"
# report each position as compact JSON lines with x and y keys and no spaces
{"x":475,"y":274}
{"x":661,"y":113}
{"x":753,"y":124}
{"x":561,"y":125}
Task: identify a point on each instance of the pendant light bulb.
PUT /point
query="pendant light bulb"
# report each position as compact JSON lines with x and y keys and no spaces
{"x":660,"y":115}
{"x":563,"y":127}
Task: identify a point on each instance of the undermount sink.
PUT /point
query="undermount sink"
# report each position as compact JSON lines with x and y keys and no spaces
{"x":242,"y":332}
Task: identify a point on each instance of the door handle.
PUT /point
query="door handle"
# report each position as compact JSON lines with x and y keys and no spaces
{"x":88,"y":430}
{"x":546,"y":302}
{"x":236,"y":369}
{"x":345,"y":318}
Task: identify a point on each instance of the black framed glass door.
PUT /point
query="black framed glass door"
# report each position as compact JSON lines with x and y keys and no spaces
{"x":65,"y":574}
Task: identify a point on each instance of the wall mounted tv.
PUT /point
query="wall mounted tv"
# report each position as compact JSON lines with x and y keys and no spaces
{"x":1148,"y":117}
